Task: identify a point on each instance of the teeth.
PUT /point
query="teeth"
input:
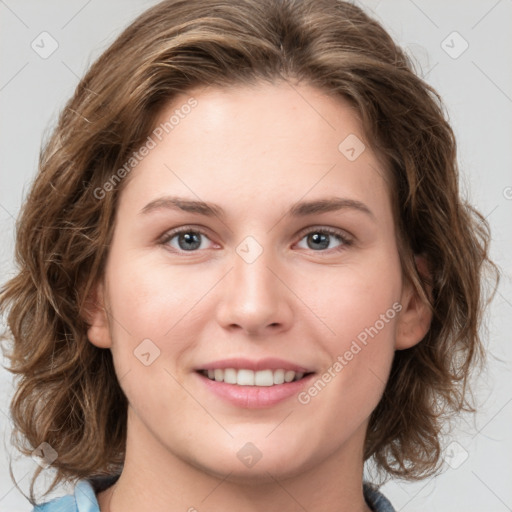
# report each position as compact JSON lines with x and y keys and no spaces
{"x":230,"y":376}
{"x":251,"y":378}
{"x":264,"y":378}
{"x":244,"y":377}
{"x":278,"y":376}
{"x":289,"y":375}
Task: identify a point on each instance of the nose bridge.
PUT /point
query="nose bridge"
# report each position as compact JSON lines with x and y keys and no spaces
{"x":255,"y":298}
{"x":251,"y":273}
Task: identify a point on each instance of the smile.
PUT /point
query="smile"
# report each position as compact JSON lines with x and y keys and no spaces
{"x":246,"y":377}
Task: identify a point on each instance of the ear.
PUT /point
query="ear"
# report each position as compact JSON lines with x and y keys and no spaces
{"x":96,"y":316}
{"x":416,"y":314}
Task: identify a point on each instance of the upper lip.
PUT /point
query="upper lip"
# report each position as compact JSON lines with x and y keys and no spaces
{"x":269,"y":363}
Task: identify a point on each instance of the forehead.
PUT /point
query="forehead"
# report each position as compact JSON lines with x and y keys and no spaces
{"x":268,"y":142}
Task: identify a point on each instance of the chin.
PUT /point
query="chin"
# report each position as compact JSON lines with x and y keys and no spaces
{"x":250,"y":465}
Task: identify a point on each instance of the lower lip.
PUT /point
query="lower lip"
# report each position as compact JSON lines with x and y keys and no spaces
{"x":255,"y":397}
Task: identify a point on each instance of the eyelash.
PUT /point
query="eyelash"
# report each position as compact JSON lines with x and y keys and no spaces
{"x":345,"y":240}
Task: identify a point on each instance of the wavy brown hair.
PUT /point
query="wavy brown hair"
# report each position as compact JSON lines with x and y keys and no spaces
{"x":67,"y":394}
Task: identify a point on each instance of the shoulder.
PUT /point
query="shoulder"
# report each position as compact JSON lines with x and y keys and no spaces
{"x":375,"y":499}
{"x":82,"y":500}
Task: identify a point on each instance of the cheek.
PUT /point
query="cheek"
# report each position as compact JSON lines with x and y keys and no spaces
{"x":151,"y":307}
{"x":351,"y":299}
{"x":152,"y":300}
{"x":160,"y":304}
{"x":360,"y":308}
{"x":345,"y":393}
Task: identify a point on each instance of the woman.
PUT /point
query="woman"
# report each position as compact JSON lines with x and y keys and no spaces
{"x":245,"y":268}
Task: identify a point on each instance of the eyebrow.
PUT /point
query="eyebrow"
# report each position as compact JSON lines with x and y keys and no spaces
{"x":299,"y":209}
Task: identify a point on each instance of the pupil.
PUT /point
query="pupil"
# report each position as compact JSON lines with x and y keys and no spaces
{"x":320,"y":238}
{"x":189,"y":238}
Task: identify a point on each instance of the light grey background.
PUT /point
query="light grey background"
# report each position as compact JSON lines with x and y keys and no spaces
{"x":477,"y":89}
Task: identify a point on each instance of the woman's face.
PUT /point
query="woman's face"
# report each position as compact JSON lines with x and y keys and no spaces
{"x":292,"y":272}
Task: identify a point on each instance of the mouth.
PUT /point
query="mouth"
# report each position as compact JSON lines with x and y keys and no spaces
{"x":254,"y":384}
{"x":247,"y":377}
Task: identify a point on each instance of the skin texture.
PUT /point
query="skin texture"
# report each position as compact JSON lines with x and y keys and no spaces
{"x":254,"y":151}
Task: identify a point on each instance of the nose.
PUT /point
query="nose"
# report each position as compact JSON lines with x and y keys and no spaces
{"x":254,"y":297}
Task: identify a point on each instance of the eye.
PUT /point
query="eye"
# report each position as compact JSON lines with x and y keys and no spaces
{"x":190,"y":239}
{"x":185,"y":239}
{"x":319,"y":239}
